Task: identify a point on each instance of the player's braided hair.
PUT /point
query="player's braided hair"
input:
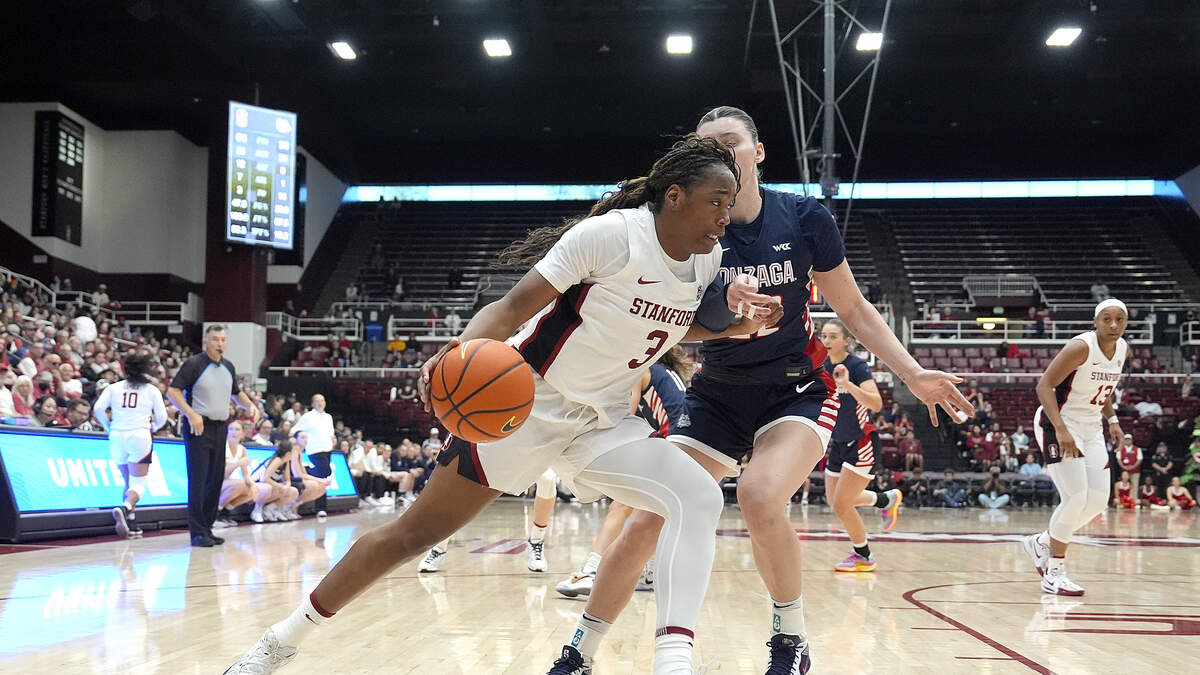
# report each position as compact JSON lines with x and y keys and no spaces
{"x":138,"y":366}
{"x":677,"y":359}
{"x":687,"y":163}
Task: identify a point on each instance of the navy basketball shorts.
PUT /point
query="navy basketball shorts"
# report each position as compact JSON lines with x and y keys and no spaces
{"x":723,"y":421}
{"x":857,"y":456}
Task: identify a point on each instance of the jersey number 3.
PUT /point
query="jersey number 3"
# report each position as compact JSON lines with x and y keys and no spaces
{"x":129,"y":399}
{"x":660,"y":338}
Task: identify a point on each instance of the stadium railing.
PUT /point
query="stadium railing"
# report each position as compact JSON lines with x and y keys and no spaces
{"x":314,"y":329}
{"x":349,"y":372}
{"x":983,"y":332}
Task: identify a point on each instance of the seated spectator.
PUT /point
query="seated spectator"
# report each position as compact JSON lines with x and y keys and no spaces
{"x":262,"y":435}
{"x":275,"y":476}
{"x":1150,"y":497}
{"x":352,"y":292}
{"x":1185,"y":389}
{"x":31,"y":364}
{"x":1030,"y":469}
{"x":7,"y":380}
{"x":974,"y":394}
{"x":238,"y":487}
{"x":1010,"y":457}
{"x":100,"y":296}
{"x":1123,"y":493}
{"x":1020,"y":439}
{"x":23,"y":398}
{"x":453,"y":322}
{"x":910,"y":446}
{"x":995,"y":491}
{"x":66,"y":384}
{"x":376,"y":475}
{"x":284,"y":431}
{"x":1178,"y":497}
{"x":950,"y":491}
{"x":886,"y":430}
{"x":905,"y":421}
{"x":893,"y":413}
{"x":311,"y":488}
{"x":916,"y":489}
{"x":1100,"y":291}
{"x":45,"y":413}
{"x":995,"y":435}
{"x":79,"y":415}
{"x":356,"y":460}
{"x":294,"y":412}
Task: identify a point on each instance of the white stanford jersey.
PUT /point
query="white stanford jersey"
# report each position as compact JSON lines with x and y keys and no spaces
{"x":1082,"y":395}
{"x":611,"y":322}
{"x":133,"y":408}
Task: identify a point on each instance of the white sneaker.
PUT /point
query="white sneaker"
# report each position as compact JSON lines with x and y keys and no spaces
{"x":293,"y":513}
{"x":321,"y":515}
{"x":257,"y":514}
{"x":220,"y":524}
{"x":536,"y":561}
{"x":1057,"y":583}
{"x":433,"y":560}
{"x":576,"y":584}
{"x":266,"y":656}
{"x":273,"y":513}
{"x":1038,"y":553}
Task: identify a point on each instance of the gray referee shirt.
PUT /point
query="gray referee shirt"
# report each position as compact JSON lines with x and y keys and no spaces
{"x":207,"y":385}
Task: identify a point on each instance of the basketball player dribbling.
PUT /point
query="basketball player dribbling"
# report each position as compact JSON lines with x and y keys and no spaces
{"x":766,"y":392}
{"x":137,"y":411}
{"x":852,"y":448}
{"x":1076,"y":395}
{"x":658,"y":398}
{"x":607,"y":294}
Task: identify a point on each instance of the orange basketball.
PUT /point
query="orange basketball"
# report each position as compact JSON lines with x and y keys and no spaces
{"x":482,"y":391}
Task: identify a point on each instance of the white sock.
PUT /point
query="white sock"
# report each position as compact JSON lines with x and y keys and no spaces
{"x":537,"y":534}
{"x":589,"y":632}
{"x":592,"y":564}
{"x":787,"y":618}
{"x":1056,"y":566}
{"x":292,"y":630}
{"x":673,"y":654}
{"x":1043,"y":539}
{"x":128,"y":505}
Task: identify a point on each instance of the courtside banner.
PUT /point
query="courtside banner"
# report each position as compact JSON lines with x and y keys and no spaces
{"x":61,"y":471}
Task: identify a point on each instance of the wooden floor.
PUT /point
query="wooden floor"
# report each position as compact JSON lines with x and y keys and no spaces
{"x":953,"y":593}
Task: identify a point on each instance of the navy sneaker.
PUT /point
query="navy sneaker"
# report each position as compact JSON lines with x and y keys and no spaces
{"x":789,"y":655}
{"x":570,"y":663}
{"x":122,"y":516}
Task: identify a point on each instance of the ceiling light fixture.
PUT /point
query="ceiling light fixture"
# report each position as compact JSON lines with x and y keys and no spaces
{"x":869,"y":42}
{"x":679,"y":44}
{"x":1063,"y":36}
{"x":343,"y":50}
{"x":497,"y":48}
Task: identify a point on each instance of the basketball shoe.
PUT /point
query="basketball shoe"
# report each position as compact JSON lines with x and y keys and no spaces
{"x":433,"y":560}
{"x":571,"y":663}
{"x":856,"y":563}
{"x":266,"y":656}
{"x":646,"y":581}
{"x":1055,"y":582}
{"x":891,"y":515}
{"x":789,"y":655}
{"x":1037,"y":552}
{"x":122,"y":516}
{"x":536,"y":561}
{"x":578,"y":583}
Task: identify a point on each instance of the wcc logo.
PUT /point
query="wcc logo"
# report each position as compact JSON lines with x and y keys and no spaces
{"x":785,"y":246}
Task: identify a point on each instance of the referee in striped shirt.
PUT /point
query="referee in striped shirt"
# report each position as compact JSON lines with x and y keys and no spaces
{"x":202,"y":390}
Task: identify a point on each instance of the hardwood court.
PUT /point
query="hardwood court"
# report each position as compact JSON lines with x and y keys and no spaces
{"x":953,"y":593}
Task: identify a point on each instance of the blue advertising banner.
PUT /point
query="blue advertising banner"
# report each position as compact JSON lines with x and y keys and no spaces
{"x":61,"y":471}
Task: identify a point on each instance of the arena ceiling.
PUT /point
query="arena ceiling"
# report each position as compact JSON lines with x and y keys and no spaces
{"x":966,"y":87}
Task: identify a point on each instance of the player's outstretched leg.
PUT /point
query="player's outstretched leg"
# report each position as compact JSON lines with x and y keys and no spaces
{"x":449,"y":502}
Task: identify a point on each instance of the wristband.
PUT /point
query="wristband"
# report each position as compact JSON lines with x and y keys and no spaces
{"x":1113,"y":420}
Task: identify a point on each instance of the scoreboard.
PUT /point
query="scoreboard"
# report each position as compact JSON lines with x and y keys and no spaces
{"x":261,"y":196}
{"x":57,"y":176}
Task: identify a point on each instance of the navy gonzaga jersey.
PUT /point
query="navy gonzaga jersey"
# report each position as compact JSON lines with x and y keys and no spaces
{"x":663,"y":401}
{"x":853,"y":420}
{"x":792,"y":237}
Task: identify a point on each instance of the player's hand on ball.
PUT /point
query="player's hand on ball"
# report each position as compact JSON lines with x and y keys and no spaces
{"x":745,"y":300}
{"x":427,"y":371}
{"x":936,"y":388}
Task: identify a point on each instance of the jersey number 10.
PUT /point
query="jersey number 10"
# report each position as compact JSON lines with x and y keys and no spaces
{"x":129,"y":399}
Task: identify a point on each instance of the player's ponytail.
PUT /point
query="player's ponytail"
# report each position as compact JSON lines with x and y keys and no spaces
{"x":677,"y":359}
{"x":687,"y":163}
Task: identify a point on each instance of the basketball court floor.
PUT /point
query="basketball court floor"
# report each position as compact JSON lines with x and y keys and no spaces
{"x":953,"y":594}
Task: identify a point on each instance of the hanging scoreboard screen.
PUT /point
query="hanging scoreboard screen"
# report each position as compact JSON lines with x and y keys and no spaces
{"x":57,"y":176}
{"x":261,"y":199}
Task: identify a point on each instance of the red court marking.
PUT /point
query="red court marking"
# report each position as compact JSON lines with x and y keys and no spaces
{"x":984,"y":658}
{"x":1013,"y":654}
{"x":504,"y":546}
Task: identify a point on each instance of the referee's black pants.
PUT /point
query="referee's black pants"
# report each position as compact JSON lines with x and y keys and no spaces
{"x":206,"y":470}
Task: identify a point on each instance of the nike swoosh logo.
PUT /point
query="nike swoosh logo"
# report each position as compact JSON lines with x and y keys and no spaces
{"x":800,"y":390}
{"x":643,"y":282}
{"x":510,"y":425}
